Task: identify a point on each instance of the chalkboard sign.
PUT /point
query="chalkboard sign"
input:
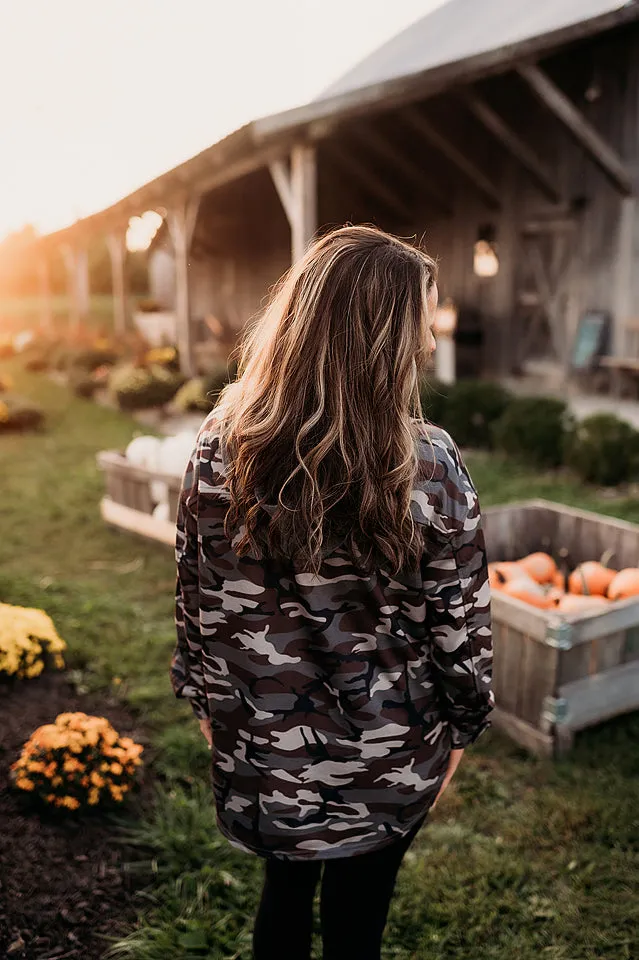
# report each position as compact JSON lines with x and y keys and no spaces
{"x":591,"y":340}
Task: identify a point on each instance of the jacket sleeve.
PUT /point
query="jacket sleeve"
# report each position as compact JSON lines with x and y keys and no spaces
{"x":186,"y":665}
{"x":457,"y":594}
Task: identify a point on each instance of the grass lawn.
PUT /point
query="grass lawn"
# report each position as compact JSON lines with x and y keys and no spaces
{"x":523,"y":858}
{"x":26,"y":311}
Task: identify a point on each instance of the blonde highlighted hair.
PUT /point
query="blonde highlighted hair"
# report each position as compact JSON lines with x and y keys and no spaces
{"x":318,"y":431}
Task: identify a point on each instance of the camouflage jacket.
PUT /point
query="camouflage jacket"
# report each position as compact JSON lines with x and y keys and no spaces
{"x":334,"y":699}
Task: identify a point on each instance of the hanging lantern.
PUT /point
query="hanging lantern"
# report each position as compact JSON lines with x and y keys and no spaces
{"x":445,"y":322}
{"x":485,"y":259}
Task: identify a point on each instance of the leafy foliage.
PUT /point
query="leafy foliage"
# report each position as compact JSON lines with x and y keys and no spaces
{"x":603,"y":449}
{"x":534,"y":429}
{"x":137,"y":387}
{"x":18,"y":413}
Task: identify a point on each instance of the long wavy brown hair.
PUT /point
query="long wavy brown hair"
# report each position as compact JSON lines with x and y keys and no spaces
{"x":318,"y":432}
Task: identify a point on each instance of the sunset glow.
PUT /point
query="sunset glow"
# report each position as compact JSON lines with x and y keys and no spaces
{"x":99,"y":98}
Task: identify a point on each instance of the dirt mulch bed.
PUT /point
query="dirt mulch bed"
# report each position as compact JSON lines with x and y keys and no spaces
{"x":63,"y":887}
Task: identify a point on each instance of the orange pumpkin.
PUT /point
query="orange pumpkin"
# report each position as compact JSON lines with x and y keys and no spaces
{"x":500,"y":573}
{"x":559,"y":581}
{"x":526,"y":589}
{"x":540,"y":566}
{"x":576,"y":603}
{"x":624,"y":584}
{"x":554,"y":596}
{"x":591,"y":578}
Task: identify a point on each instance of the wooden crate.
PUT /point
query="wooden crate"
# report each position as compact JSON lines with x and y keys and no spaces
{"x":128,"y":503}
{"x":556,"y":674}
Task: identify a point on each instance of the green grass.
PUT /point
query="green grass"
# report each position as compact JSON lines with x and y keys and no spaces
{"x":523,"y":858}
{"x":26,"y":311}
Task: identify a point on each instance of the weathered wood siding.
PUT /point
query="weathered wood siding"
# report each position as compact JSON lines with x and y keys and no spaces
{"x":242,"y":239}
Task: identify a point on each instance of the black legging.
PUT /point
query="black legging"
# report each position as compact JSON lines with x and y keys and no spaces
{"x":354,"y":900}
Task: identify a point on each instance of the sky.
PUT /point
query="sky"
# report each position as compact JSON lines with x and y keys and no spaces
{"x":99,"y":96}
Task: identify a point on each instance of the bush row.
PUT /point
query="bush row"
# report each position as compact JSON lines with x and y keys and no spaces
{"x":600,"y":449}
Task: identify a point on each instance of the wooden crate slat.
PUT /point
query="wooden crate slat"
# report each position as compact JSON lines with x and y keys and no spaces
{"x":601,"y":696}
{"x":509,"y":652}
{"x":575,"y":663}
{"x":631,"y":646}
{"x":142,"y":524}
{"x":609,"y":651}
{"x":538,"y":680}
{"x":520,"y":616}
{"x":620,"y":616}
{"x":525,"y":734}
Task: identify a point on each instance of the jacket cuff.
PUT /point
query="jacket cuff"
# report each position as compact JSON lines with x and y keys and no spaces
{"x":460,"y":739}
{"x":200,"y":708}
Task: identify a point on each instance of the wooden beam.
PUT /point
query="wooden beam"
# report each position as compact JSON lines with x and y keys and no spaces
{"x":180,"y":219}
{"x":514,"y":144}
{"x":375,"y":184}
{"x":413,"y":172}
{"x":281,"y":177}
{"x":606,"y":158}
{"x":424,"y":128}
{"x":116,"y":244}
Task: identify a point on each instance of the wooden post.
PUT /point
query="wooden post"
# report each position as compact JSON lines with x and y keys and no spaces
{"x":623,"y":306}
{"x":297,"y":190}
{"x":70,"y":263}
{"x":180,"y":220}
{"x":44,"y":282}
{"x":82,"y":282}
{"x":116,"y":243}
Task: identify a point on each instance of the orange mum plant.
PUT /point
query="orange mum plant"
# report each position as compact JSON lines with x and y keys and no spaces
{"x":78,"y":761}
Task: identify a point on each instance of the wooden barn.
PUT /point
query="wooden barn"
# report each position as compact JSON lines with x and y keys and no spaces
{"x":505,"y":133}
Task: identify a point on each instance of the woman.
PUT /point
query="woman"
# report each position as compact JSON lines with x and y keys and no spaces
{"x":333,"y":601}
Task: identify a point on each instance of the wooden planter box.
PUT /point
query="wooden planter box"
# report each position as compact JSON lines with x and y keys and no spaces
{"x":556,"y":674}
{"x":128,"y":503}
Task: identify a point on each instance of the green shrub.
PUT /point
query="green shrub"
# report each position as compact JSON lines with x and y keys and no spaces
{"x":137,"y":387}
{"x":17,"y":413}
{"x":90,"y":359}
{"x":603,"y":449}
{"x":534,"y":429}
{"x":84,"y":385}
{"x":472,"y":408}
{"x":434,"y":396}
{"x":192,"y":397}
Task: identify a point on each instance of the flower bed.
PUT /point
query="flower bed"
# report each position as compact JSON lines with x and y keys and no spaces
{"x":17,"y":413}
{"x":78,"y":761}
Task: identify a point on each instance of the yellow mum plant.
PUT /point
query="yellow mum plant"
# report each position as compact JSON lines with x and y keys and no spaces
{"x":28,"y":642}
{"x":76,"y":762}
{"x":160,"y":356}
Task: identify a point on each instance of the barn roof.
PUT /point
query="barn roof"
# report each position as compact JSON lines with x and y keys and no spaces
{"x":465,"y":28}
{"x":459,"y":42}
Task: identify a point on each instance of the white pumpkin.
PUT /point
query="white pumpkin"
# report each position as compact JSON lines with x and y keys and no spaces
{"x":161,"y":512}
{"x":175,"y":453}
{"x":159,"y":491}
{"x":143,"y":452}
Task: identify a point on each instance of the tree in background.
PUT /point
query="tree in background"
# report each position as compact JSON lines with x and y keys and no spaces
{"x":19,"y":267}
